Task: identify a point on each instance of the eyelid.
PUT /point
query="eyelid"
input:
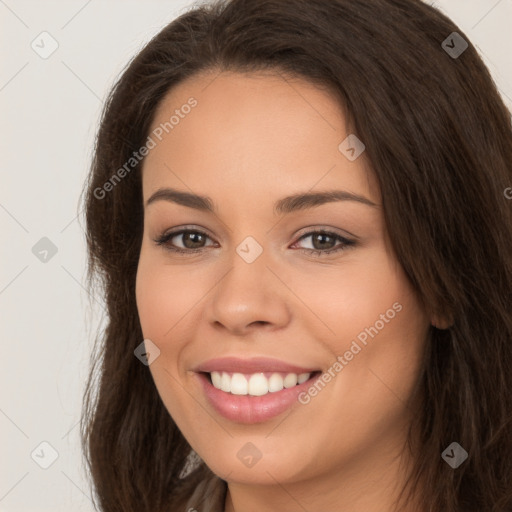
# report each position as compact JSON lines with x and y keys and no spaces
{"x":327,"y":229}
{"x":180,"y":229}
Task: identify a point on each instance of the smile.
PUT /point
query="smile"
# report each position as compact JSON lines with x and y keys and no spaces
{"x":254,"y":398}
{"x":256,"y":384}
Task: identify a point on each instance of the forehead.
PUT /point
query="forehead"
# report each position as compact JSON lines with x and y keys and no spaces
{"x":256,"y":132}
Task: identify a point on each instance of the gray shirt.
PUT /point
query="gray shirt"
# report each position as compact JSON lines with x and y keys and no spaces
{"x":202,"y":491}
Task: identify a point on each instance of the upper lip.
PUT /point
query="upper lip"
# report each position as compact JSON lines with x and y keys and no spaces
{"x":253,"y":365}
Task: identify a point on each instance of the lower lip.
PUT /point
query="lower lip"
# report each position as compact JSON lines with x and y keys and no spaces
{"x":252,"y":409}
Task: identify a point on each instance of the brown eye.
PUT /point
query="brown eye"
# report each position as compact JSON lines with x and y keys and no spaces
{"x":191,"y":240}
{"x":324,"y":242}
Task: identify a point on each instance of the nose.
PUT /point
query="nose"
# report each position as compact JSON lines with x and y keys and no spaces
{"x":248,"y":296}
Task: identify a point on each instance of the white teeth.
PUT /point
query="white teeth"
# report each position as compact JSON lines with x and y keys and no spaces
{"x":239,"y":385}
{"x":303,"y":377}
{"x":275,"y":383}
{"x":225,"y":383}
{"x":290,"y":380}
{"x":216,"y":379}
{"x":256,"y":384}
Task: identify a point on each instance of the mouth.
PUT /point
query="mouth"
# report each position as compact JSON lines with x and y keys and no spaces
{"x":258,"y":383}
{"x":256,"y":397}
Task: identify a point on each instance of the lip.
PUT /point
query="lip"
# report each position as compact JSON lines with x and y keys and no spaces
{"x":253,"y":365}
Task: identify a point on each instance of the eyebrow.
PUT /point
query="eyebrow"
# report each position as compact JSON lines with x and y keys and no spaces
{"x":295,"y":202}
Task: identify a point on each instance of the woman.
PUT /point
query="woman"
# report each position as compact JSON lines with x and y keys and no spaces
{"x":299,"y":215}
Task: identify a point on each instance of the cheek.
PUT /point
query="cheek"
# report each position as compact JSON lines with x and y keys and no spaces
{"x":382,"y":344}
{"x":154,"y":302}
{"x":377,"y":325}
{"x":385,"y":319}
{"x":164,"y":295}
{"x":162,"y":303}
{"x":353,"y":297}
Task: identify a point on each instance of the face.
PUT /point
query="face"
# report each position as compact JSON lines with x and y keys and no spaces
{"x":312,"y":284}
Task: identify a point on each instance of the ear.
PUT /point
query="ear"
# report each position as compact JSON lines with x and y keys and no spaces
{"x":441,"y":322}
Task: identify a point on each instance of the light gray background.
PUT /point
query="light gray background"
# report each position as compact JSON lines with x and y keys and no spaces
{"x":50,"y":110}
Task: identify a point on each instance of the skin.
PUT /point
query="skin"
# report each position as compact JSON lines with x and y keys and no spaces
{"x":251,"y":140}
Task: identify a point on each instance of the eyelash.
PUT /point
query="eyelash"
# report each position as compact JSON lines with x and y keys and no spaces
{"x":163,"y":241}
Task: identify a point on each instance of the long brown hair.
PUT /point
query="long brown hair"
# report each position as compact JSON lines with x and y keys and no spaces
{"x":439,"y":140}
